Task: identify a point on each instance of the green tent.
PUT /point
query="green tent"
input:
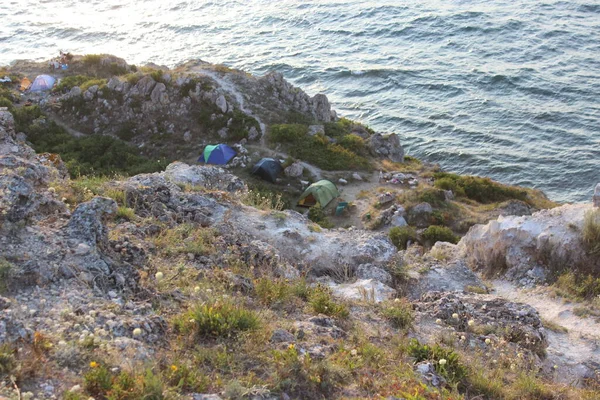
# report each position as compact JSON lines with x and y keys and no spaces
{"x":321,"y":192}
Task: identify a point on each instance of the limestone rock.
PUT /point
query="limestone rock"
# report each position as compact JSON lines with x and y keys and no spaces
{"x":295,"y":170}
{"x":370,"y":271}
{"x":221,"y":103}
{"x":281,"y":335}
{"x":420,"y":215}
{"x":316,"y":130}
{"x":516,"y":244}
{"x":208,"y":176}
{"x":364,"y":289}
{"x":159,"y":94}
{"x":143,"y":87}
{"x":596,"y":197}
{"x":321,"y":108}
{"x":386,"y":147}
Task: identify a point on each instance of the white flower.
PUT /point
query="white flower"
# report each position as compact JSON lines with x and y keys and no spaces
{"x":137,"y":332}
{"x":353,"y":352}
{"x":455,"y":316}
{"x":159,"y":276}
{"x":438,"y":321}
{"x":471,"y":322}
{"x":463,"y":338}
{"x":488,"y":341}
{"x":442,"y":361}
{"x":396,"y":300}
{"x":197,"y":289}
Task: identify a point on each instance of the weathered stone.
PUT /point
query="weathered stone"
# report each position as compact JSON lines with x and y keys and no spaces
{"x":253,"y":133}
{"x":364,"y":289}
{"x":316,"y":130}
{"x":321,"y":108}
{"x":596,"y":197}
{"x":295,"y":170}
{"x":420,"y":215}
{"x":143,"y":87}
{"x":159,"y":94}
{"x":386,"y":146}
{"x":187,"y":136}
{"x":370,"y":271}
{"x":282,"y":336}
{"x":221,"y":103}
{"x":203,"y":175}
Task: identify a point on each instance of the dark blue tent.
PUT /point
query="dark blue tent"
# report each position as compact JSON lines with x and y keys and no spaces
{"x":218,"y":154}
{"x":268,"y":169}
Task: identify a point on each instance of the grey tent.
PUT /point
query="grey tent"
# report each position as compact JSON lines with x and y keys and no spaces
{"x":268,"y":169}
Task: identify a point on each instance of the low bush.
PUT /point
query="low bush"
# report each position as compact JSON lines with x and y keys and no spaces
{"x":222,"y":319}
{"x":185,"y":239}
{"x":436,"y":233}
{"x":483,"y":190}
{"x":7,"y":360}
{"x":579,"y":286}
{"x":354,"y":143}
{"x":322,"y":302}
{"x":399,"y":312}
{"x":87,"y":155}
{"x":591,"y":232}
{"x":446,"y":362}
{"x":272,"y":291}
{"x":125,"y":213}
{"x":343,"y":127}
{"x":5,"y":269}
{"x":317,"y":215}
{"x":435,"y":197}
{"x":317,"y":149}
{"x":103,"y":383}
{"x":400,"y":235}
{"x":92,"y":60}
{"x":69,"y":82}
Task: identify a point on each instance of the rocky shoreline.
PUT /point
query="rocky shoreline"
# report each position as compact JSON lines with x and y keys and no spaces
{"x":110,"y":285}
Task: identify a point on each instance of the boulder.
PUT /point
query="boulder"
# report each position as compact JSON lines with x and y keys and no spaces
{"x":386,"y":146}
{"x":321,"y":108}
{"x":221,"y":103}
{"x":253,"y":133}
{"x":364,"y":289}
{"x":316,"y":130}
{"x":143,"y":87}
{"x":187,"y":136}
{"x":356,"y":176}
{"x":208,"y":176}
{"x":398,"y":220}
{"x":370,"y":271}
{"x":295,"y":170}
{"x":420,"y":215}
{"x":159,"y":94}
{"x":517,"y":244}
{"x":74,"y":92}
{"x":596,"y":197}
{"x":282,"y":336}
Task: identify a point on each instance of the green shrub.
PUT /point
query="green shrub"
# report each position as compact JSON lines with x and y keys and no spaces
{"x":240,"y":124}
{"x":317,"y":215}
{"x":98,"y":380}
{"x":272,"y":291}
{"x":92,"y":60}
{"x":125,"y":213}
{"x":102,"y":383}
{"x":4,"y":102}
{"x":69,"y":82}
{"x":400,"y":235}
{"x":453,"y":370}
{"x":436,"y":233}
{"x":87,"y":155}
{"x":483,"y":190}
{"x":316,"y":149}
{"x":101,"y":83}
{"x":435,"y":197}
{"x":7,"y":360}
{"x":322,"y":302}
{"x":354,"y":143}
{"x":303,"y":378}
{"x":5,"y":268}
{"x":343,"y":127}
{"x":222,"y":319}
{"x":579,"y":286}
{"x":287,"y":133}
{"x":399,"y":312}
{"x":591,"y":232}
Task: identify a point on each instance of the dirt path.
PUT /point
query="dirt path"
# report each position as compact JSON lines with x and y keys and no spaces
{"x":570,"y":351}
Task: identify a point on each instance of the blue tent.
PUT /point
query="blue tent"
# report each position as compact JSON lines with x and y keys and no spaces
{"x":219,"y":154}
{"x":42,"y":83}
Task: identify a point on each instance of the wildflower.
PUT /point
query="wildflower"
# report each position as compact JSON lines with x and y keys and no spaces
{"x":137,"y":332}
{"x":291,"y":346}
{"x":197,"y":289}
{"x":455,"y":316}
{"x":159,"y":276}
{"x":93,"y":364}
{"x":438,"y":321}
{"x":463,"y":337}
{"x":488,"y":341}
{"x":353,"y":352}
{"x":520,"y":355}
{"x":174,"y":368}
{"x":396,"y":300}
{"x":442,"y":361}
{"x":555,"y":367}
{"x":471,"y":322}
